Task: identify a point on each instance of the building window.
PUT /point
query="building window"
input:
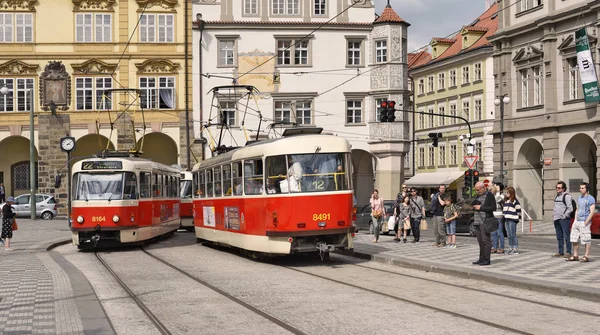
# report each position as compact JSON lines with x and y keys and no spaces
{"x":478,"y":150}
{"x":285,"y":7}
{"x":431,"y":156}
{"x":226,"y":52}
{"x":287,"y":48}
{"x":381,"y":51}
{"x":430,"y":118}
{"x":283,"y":111}
{"x":465,"y":73}
{"x":524,"y":88}
{"x":477,"y":71}
{"x":250,"y":7}
{"x":421,"y":86}
{"x":478,"y":111}
{"x":442,"y":153}
{"x":430,"y":84}
{"x":227,"y":113}
{"x":421,"y":156}
{"x":303,"y":113}
{"x":320,"y":7}
{"x":529,"y":4}
{"x":159,"y":96}
{"x":421,"y":121}
{"x":537,"y":86}
{"x":21,"y":176}
{"x":354,"y":53}
{"x":442,"y":112}
{"x":453,"y":113}
{"x":16,"y":27}
{"x":353,"y":111}
{"x":453,"y":154}
{"x":89,"y":93}
{"x":441,"y":81}
{"x":149,"y":32}
{"x":465,"y":110}
{"x":302,"y":109}
{"x":378,"y":102}
{"x":17,"y":99}
{"x":573,"y":79}
{"x":452,"y":78}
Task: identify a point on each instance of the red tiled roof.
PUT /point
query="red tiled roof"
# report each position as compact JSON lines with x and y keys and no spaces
{"x":486,"y":22}
{"x":418,"y":58}
{"x":389,"y":15}
{"x":444,"y":40}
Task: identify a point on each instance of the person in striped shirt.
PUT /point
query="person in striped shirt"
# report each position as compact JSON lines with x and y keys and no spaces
{"x":512,"y":215}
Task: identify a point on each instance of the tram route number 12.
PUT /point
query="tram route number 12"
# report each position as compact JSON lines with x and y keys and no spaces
{"x":322,"y":217}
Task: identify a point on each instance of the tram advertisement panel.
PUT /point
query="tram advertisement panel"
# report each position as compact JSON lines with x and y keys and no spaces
{"x":232,"y":218}
{"x":208,"y":212}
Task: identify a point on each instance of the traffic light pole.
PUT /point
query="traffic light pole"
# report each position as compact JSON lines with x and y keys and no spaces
{"x":442,"y":115}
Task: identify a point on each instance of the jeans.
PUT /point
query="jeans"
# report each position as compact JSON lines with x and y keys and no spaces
{"x":498,"y":236}
{"x":439,"y":229}
{"x":485,"y":243}
{"x":563,"y":233}
{"x":415,"y":224}
{"x":376,"y":226}
{"x":511,"y":231}
{"x":451,"y":228}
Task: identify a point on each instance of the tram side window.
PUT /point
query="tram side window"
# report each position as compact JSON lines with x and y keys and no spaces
{"x":237,"y":178}
{"x":276,"y":172}
{"x":169,"y":186}
{"x":253,"y":177}
{"x":227,"y":180}
{"x":218,"y":186}
{"x":165,"y":181}
{"x":130,"y":190}
{"x":145,"y":184}
{"x":155,"y":185}
{"x":201,"y":189}
{"x":209,"y":183}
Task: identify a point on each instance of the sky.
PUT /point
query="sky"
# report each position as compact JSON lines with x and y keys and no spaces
{"x":433,"y":18}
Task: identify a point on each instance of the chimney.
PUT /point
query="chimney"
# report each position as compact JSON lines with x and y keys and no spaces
{"x":488,"y":4}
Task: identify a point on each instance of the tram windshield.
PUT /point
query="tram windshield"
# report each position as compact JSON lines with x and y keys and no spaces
{"x":104,"y":186}
{"x":308,"y":173}
{"x":185,"y":189}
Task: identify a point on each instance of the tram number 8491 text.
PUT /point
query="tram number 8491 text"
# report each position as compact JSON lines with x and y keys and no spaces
{"x":322,"y":217}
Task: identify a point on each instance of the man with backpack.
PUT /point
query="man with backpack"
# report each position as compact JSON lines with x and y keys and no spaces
{"x":564,"y":212}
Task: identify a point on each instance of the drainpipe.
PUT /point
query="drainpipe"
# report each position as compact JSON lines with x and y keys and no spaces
{"x":414,"y":148}
{"x":187,"y":98}
{"x":200,"y":24}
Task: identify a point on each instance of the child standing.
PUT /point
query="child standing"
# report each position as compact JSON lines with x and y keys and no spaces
{"x":450,"y":216}
{"x":403,"y":215}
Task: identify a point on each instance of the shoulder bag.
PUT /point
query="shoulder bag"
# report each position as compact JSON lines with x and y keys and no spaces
{"x":490,"y":224}
{"x":14,"y":225}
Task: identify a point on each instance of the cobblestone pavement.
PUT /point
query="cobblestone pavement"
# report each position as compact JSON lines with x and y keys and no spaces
{"x":532,"y":268}
{"x":41,"y":293}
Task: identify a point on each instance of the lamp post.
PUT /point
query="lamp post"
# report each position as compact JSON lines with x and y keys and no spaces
{"x":32,"y":180}
{"x":501,"y":101}
{"x":201,"y":23}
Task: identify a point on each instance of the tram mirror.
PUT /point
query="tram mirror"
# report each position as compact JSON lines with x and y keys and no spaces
{"x":57,"y":181}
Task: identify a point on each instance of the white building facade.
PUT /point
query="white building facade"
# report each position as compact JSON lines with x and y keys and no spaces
{"x":320,"y":63}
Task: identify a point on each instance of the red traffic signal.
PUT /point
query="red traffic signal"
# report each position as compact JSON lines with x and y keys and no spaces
{"x":475,"y":173}
{"x":384,"y":104}
{"x":392,"y":104}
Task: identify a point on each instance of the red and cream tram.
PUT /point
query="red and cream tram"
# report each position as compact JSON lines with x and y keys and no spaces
{"x":118,"y":200}
{"x":186,"y":208}
{"x":280,"y":196}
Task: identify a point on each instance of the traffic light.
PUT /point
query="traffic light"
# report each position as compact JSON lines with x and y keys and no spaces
{"x":384,"y":115}
{"x":435,"y":137}
{"x":475,"y":177}
{"x":468,"y":180}
{"x":388,"y":111}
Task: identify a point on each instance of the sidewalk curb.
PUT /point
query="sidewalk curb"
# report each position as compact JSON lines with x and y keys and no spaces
{"x":58,"y":244}
{"x":573,"y":291}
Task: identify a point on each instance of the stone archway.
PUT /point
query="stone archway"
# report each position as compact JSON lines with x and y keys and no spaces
{"x":89,"y":145}
{"x":159,"y":148}
{"x":14,"y":165}
{"x":579,"y":163}
{"x":528,"y":178}
{"x":364,"y":175}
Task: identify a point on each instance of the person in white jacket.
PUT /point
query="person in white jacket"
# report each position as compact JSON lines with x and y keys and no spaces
{"x":294,"y":175}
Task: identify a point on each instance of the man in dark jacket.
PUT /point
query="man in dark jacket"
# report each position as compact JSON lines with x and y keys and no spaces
{"x":437,"y":209}
{"x":484,"y":206}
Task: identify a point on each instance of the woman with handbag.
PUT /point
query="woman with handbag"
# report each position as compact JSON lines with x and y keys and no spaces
{"x":485,"y":222}
{"x":376,"y":213}
{"x":8,"y":219}
{"x":403,"y":215}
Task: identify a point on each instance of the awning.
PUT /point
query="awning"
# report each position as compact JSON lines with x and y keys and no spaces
{"x":434,"y":179}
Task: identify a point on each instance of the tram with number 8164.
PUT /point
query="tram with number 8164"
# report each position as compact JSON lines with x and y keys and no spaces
{"x":279,"y":196}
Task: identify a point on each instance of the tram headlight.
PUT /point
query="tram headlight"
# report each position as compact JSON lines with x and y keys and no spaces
{"x":80,"y":219}
{"x":116,"y":218}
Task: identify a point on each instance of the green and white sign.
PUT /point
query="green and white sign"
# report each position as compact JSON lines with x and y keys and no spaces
{"x":587,"y":71}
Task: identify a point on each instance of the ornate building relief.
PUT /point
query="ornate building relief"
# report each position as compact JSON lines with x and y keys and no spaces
{"x":55,"y":86}
{"x":157,"y":66}
{"x":96,"y":5}
{"x":93,"y":66}
{"x":379,"y":78}
{"x":16,"y":67}
{"x":162,"y":4}
{"x":27,"y":5}
{"x":396,"y":45}
{"x":397,"y":77}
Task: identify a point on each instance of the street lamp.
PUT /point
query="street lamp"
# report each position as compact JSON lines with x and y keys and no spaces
{"x":501,"y":101}
{"x":32,"y":180}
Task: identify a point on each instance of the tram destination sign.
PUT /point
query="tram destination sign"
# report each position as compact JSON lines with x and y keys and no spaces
{"x":102,"y":165}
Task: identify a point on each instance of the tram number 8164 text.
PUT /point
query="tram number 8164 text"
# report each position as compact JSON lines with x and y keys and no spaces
{"x":322,"y":217}
{"x":98,"y":218}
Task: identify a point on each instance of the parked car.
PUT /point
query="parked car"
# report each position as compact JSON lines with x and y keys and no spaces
{"x":45,"y":206}
{"x":363,"y":218}
{"x":596,"y":222}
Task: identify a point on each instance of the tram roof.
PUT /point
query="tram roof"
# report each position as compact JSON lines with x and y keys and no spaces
{"x":129,"y":163}
{"x":299,"y":144}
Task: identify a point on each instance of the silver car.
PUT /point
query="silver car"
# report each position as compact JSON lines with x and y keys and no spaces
{"x":45,"y":206}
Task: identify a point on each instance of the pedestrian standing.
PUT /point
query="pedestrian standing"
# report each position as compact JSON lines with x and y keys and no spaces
{"x":563,"y":210}
{"x":512,"y":215}
{"x":581,"y":231}
{"x":498,"y":235}
{"x":437,"y":208}
{"x":376,"y":213}
{"x":484,"y":206}
{"x":7,"y":222}
{"x":403,"y":219}
{"x":417,"y":213}
{"x":2,"y":193}
{"x":450,"y":216}
{"x":399,"y":198}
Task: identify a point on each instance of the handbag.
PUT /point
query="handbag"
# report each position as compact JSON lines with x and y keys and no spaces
{"x":423,"y":225}
{"x":490,"y":224}
{"x":406,"y":224}
{"x":14,"y":225}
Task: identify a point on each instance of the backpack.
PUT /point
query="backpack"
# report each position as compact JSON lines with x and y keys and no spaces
{"x":573,"y":203}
